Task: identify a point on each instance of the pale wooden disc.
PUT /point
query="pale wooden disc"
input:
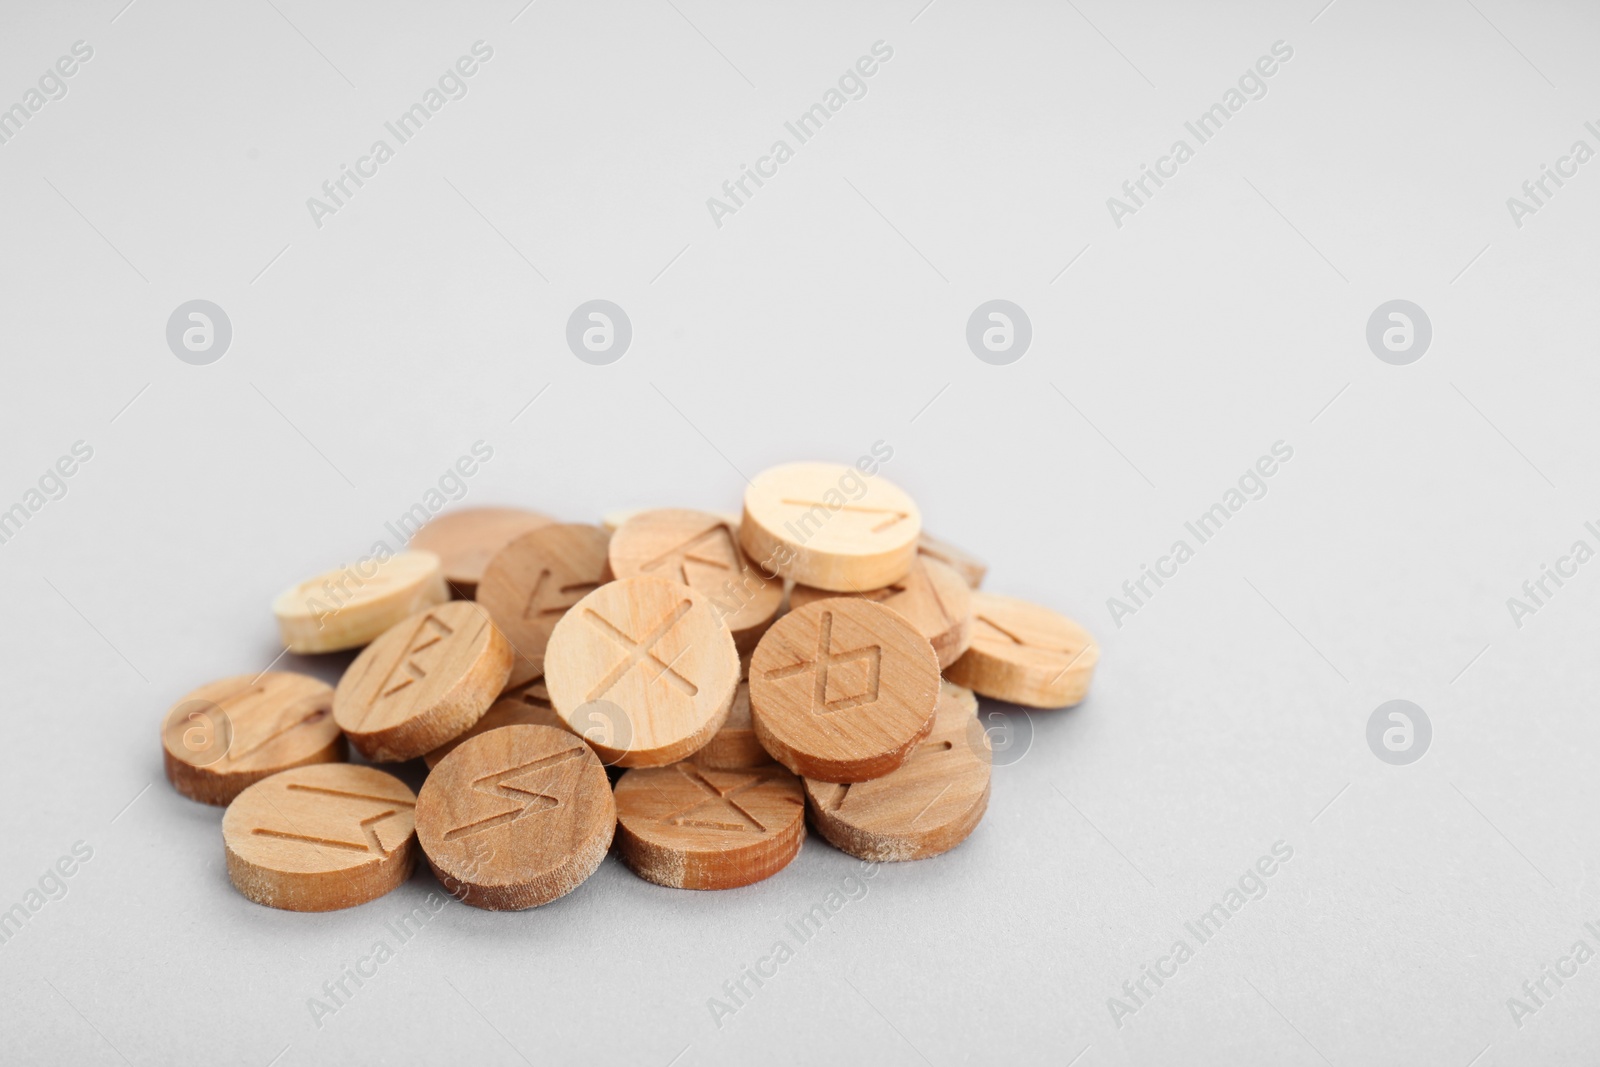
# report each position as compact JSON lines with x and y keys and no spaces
{"x":828,"y":525}
{"x":466,"y":540}
{"x":970,"y":567}
{"x":533,"y":580}
{"x":1026,"y":654}
{"x":693,"y":827}
{"x":843,"y":689}
{"x":424,"y":682}
{"x":524,"y":705}
{"x":350,"y":607}
{"x":932,"y":597}
{"x":930,"y":805}
{"x":322,"y":837}
{"x":228,"y":735}
{"x":735,"y":746}
{"x":516,"y":817}
{"x":702,"y":551}
{"x":642,"y":669}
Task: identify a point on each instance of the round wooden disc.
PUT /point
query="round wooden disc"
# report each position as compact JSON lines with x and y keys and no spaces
{"x":843,"y":689}
{"x":524,"y":705}
{"x":531,"y":582}
{"x":647,"y":659}
{"x":932,"y":597}
{"x":350,"y":607}
{"x":735,"y":746}
{"x":466,"y":540}
{"x":228,"y":735}
{"x":516,"y":817}
{"x":829,"y":526}
{"x":424,"y":682}
{"x":928,"y":806}
{"x":318,"y":838}
{"x":692,"y":827}
{"x":1026,"y":654}
{"x":702,"y":551}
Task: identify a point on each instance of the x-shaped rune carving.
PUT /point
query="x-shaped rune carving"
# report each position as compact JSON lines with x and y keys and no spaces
{"x":641,"y":650}
{"x":723,"y":809}
{"x":824,"y":659}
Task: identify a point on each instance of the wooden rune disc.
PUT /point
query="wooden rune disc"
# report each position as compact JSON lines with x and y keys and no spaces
{"x":467,"y":539}
{"x":970,"y":567}
{"x":226,"y":736}
{"x":928,"y":806}
{"x":843,"y":689}
{"x":642,"y":669}
{"x":932,"y":597}
{"x":702,"y":551}
{"x":516,"y":817}
{"x":523,"y":705}
{"x":692,"y":827}
{"x":350,"y":607}
{"x":423,"y":683}
{"x":829,"y":526}
{"x":735,"y":746}
{"x":322,"y":837}
{"x":531,"y":582}
{"x":1026,"y":654}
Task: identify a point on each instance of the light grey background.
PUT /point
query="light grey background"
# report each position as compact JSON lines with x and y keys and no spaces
{"x":828,"y":313}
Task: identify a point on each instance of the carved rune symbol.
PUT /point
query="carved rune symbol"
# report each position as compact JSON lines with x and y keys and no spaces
{"x":1000,"y":633}
{"x":641,"y":650}
{"x":716,"y":808}
{"x":824,"y":659}
{"x":560,"y":598}
{"x":421,"y":650}
{"x":243,"y":710}
{"x":369,"y":842}
{"x":527,"y":799}
{"x":890,"y":516}
{"x":710,"y":548}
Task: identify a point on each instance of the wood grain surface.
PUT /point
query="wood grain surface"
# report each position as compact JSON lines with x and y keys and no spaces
{"x":1026,"y":654}
{"x":828,"y":525}
{"x":423,"y":683}
{"x":693,"y":827}
{"x":516,"y":817}
{"x":702,"y":551}
{"x":228,"y":735}
{"x":642,"y":669}
{"x":531,"y":582}
{"x":465,"y":541}
{"x":928,"y":806}
{"x":350,"y":607}
{"x":322,"y":837}
{"x":843,"y":689}
{"x":932,"y":597}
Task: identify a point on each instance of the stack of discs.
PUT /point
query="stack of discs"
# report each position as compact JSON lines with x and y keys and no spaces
{"x":686,"y":685}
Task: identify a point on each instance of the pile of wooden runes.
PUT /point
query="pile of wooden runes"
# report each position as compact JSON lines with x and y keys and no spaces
{"x":818,"y":651}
